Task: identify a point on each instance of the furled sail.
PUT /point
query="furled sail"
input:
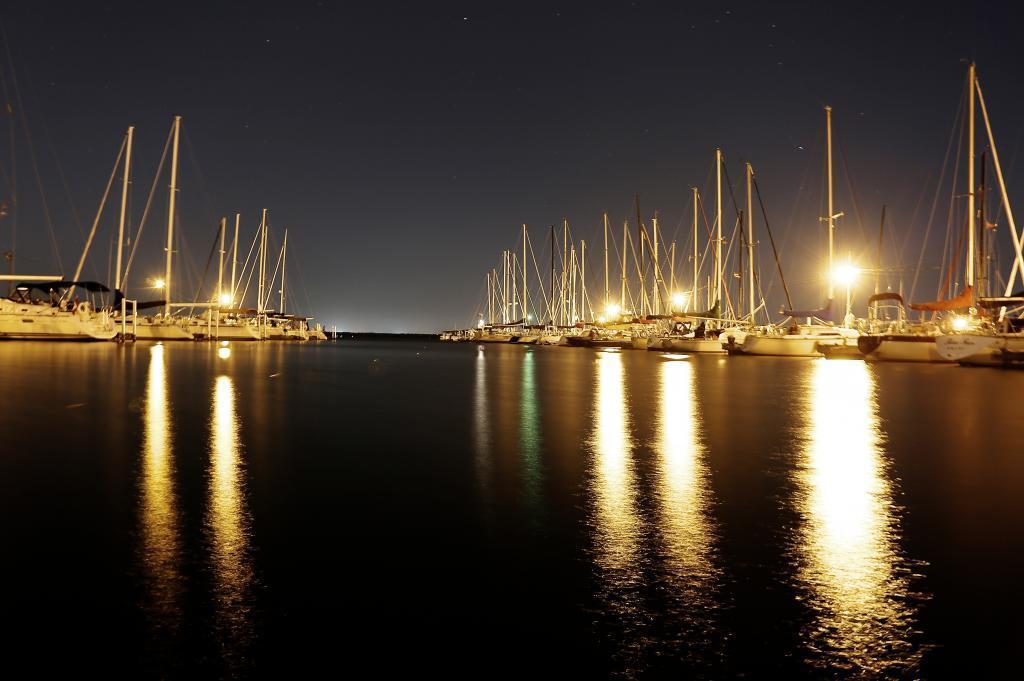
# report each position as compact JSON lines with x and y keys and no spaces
{"x":714,"y":313}
{"x":965,"y":299}
{"x":824,"y":313}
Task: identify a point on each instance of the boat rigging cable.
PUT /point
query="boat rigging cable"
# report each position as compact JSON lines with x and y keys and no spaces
{"x":31,"y":151}
{"x":771,"y":240}
{"x":957,"y":122}
{"x":145,"y":211}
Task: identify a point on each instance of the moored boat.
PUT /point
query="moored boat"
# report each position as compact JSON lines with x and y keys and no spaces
{"x":24,"y":317}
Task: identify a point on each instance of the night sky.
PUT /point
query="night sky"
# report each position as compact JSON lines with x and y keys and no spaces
{"x":402,"y":145}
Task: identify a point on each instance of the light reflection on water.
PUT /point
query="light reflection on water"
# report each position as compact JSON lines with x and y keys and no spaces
{"x":530,"y":439}
{"x":481,"y":424}
{"x":228,"y":523}
{"x":682,"y":481}
{"x":848,"y":546}
{"x":161,"y":544}
{"x":616,"y":525}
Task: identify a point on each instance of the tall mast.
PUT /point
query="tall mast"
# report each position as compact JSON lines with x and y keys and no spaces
{"x":625,"y":241}
{"x":234,"y":256}
{"x":489,"y":298}
{"x":672,"y":276}
{"x":583,"y":278}
{"x":641,"y":267}
{"x":551,"y":281}
{"x":750,"y":240}
{"x":983,"y":273}
{"x":607,"y":292}
{"x":1018,"y":263}
{"x":831,"y":212}
{"x":572,"y":286}
{"x":284,"y":256}
{"x":718,"y":226}
{"x":504,"y":287}
{"x":513,"y":278}
{"x":696,"y":253}
{"x":170,"y":216}
{"x":493,"y":297}
{"x":970,"y":174}
{"x":565,"y":254}
{"x":124,"y":207}
{"x":656,"y":302}
{"x":881,"y":232}
{"x":220,"y":267}
{"x":524,"y":271}
{"x":263,"y":262}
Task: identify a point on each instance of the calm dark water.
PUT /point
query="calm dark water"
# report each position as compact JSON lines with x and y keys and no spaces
{"x":372,"y":507}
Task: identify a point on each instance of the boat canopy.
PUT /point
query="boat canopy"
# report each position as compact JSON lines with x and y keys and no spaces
{"x":45,"y":286}
{"x":824,"y":313}
{"x":965,"y":299}
{"x":879,"y":297}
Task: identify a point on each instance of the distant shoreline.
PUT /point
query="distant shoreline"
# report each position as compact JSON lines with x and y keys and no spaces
{"x":380,"y":335}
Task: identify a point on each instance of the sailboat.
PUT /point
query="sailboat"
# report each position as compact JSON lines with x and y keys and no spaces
{"x":698,"y":332}
{"x":998,"y":341}
{"x":924,"y":341}
{"x":806,"y":340}
{"x":41,"y":308}
{"x":46,"y":307}
{"x":164,"y":326}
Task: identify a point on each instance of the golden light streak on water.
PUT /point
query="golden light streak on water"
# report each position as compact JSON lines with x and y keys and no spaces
{"x":682,"y":477}
{"x":481,"y":424}
{"x":228,"y":521}
{"x":616,"y":524}
{"x":530,"y":438}
{"x":161,"y":545}
{"x":848,"y":543}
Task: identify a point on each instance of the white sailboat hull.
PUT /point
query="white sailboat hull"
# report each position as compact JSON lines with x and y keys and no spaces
{"x":982,"y":350}
{"x":285,"y":333}
{"x":224,"y":332}
{"x":149,"y":328}
{"x":552,"y":339}
{"x":796,"y":345}
{"x":694,"y":345}
{"x":904,"y":348}
{"x":42,"y":322}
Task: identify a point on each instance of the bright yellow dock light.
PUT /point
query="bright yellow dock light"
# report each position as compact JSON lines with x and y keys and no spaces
{"x":679,"y":301}
{"x":612,"y":310}
{"x":225,"y":299}
{"x":480,"y":324}
{"x":960,"y":323}
{"x":159,"y":283}
{"x":601,"y":320}
{"x":846,"y":274}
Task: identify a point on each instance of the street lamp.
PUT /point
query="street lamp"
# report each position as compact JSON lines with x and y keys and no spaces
{"x":159,"y":283}
{"x":679,"y":302}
